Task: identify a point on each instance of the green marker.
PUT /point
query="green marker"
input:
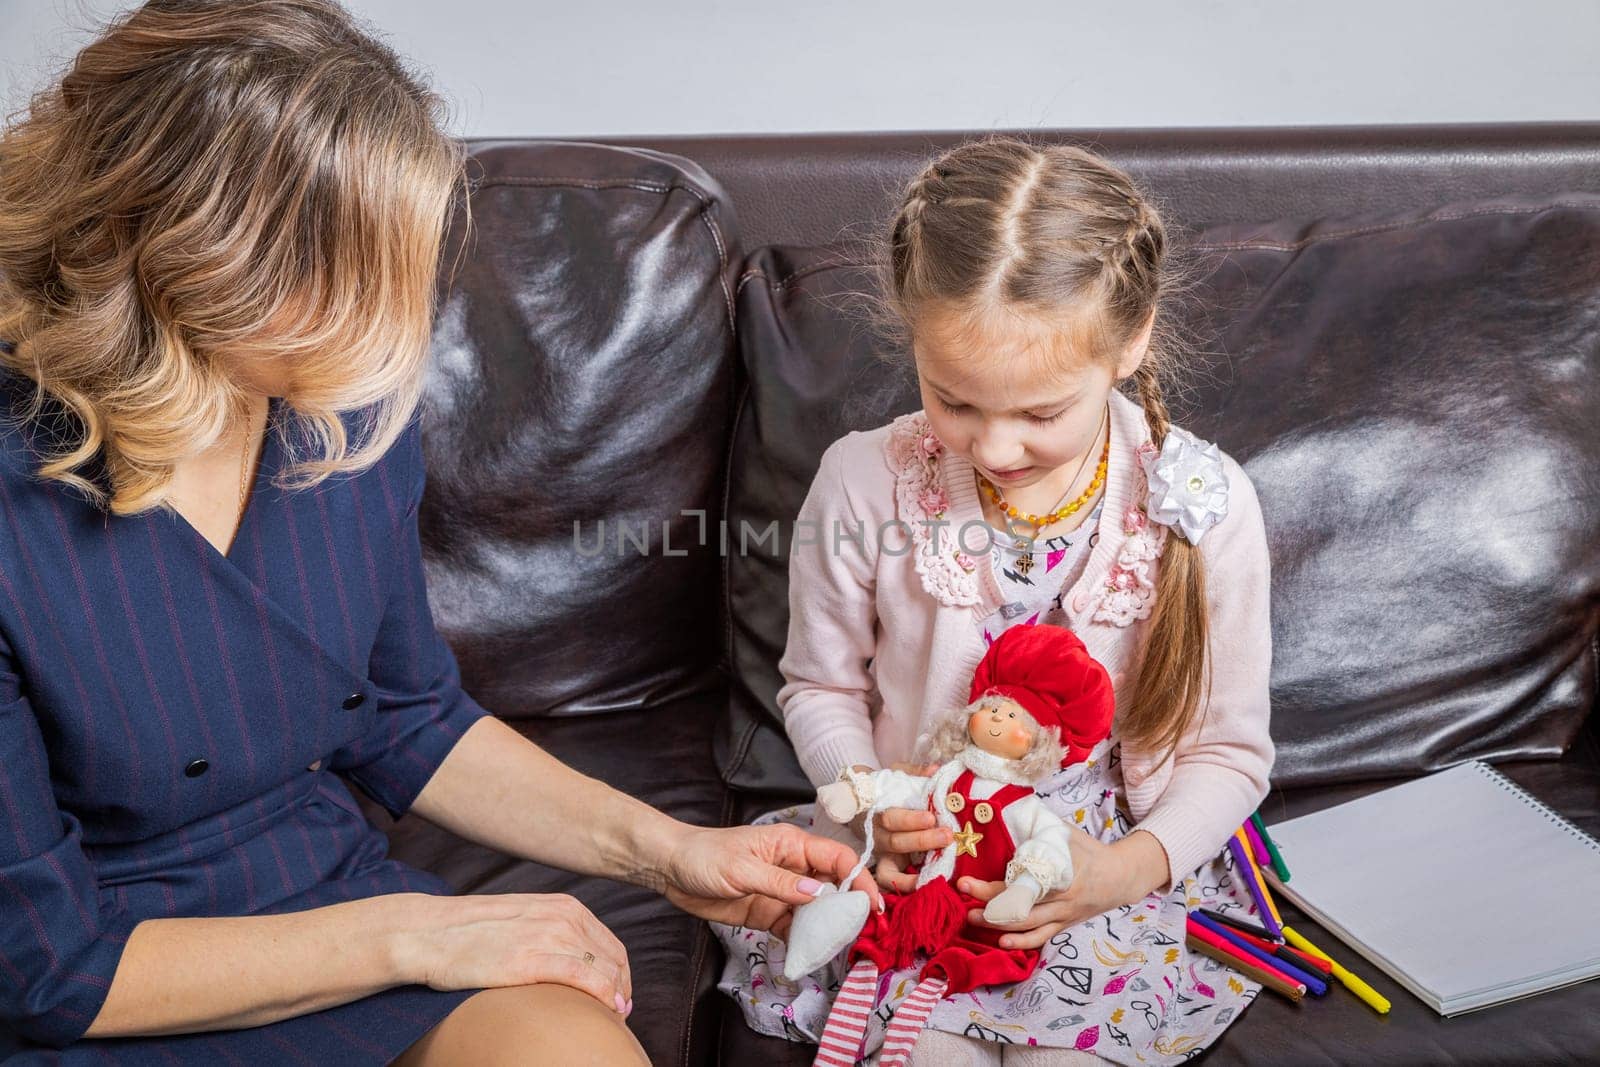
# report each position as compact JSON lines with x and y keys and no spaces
{"x":1278,"y":866}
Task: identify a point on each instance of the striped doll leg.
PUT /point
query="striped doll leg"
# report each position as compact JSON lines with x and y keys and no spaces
{"x":908,"y":1021}
{"x":846,"y":1029}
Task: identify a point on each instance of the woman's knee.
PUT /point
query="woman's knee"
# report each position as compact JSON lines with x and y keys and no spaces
{"x":528,"y":1024}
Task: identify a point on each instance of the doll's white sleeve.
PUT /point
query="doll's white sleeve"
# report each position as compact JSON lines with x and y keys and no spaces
{"x":887,"y":789}
{"x":1041,"y":843}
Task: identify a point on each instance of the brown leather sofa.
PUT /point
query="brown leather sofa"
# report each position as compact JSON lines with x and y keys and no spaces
{"x":1405,"y":356}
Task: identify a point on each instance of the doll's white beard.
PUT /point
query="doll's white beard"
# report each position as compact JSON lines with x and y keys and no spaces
{"x":988,"y":765}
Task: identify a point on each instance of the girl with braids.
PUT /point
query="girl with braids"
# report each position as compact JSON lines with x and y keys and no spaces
{"x":1042,"y":482}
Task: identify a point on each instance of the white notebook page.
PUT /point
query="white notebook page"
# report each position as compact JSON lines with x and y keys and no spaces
{"x":1457,"y":884}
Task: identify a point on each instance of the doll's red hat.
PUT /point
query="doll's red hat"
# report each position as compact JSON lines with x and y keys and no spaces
{"x":1049,"y":672}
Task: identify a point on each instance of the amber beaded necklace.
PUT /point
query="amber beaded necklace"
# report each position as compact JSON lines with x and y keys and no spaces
{"x":1039,"y":522}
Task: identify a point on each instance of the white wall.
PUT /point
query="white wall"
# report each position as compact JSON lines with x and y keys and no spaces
{"x":650,"y":66}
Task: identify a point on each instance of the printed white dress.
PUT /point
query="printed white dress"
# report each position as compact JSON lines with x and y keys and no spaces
{"x":1122,"y":985}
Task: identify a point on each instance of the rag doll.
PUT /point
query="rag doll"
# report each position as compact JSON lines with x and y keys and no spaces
{"x":1038,"y":702}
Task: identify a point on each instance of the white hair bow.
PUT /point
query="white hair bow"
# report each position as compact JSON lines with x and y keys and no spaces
{"x":1188,"y":485}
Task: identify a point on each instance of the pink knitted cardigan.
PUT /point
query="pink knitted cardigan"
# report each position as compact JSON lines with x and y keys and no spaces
{"x":883,"y":630}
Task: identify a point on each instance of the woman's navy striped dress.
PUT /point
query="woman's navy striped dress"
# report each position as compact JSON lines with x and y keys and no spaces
{"x":170,"y":721}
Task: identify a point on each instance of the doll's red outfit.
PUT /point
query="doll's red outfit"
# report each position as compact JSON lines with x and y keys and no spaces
{"x":933,"y":918}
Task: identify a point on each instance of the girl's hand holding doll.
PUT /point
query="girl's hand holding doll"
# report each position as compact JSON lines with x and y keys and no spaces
{"x":1037,"y":704}
{"x":1105,"y":876}
{"x":904,"y":832}
{"x":899,"y":832}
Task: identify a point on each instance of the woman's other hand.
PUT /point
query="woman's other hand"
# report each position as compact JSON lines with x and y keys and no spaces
{"x":504,"y":939}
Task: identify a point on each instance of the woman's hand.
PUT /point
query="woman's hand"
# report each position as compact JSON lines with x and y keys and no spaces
{"x":899,"y":832}
{"x":753,"y":876}
{"x":1103,"y":877}
{"x":488,"y":940}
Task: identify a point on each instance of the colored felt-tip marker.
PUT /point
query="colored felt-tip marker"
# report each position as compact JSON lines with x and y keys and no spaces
{"x":1304,"y":960}
{"x":1255,"y":868}
{"x":1200,"y":932}
{"x":1268,"y":978}
{"x":1371,"y":997}
{"x":1258,"y":850}
{"x":1279,"y":868}
{"x":1258,"y":892}
{"x":1315,"y":985}
{"x":1243,"y":925}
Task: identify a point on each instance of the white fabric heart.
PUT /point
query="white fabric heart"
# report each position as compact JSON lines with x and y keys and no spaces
{"x":823,"y":928}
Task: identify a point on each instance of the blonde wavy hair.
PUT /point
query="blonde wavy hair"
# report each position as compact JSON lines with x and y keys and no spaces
{"x":215,"y":186}
{"x":949,"y":735}
{"x":1064,"y":236}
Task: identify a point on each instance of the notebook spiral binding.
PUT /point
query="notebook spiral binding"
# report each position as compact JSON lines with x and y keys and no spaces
{"x":1534,"y":802}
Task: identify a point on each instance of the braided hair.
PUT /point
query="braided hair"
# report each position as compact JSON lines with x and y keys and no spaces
{"x":1058,"y":231}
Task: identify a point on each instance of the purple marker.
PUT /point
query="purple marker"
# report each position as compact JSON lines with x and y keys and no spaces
{"x":1258,"y":847}
{"x":1241,"y":861}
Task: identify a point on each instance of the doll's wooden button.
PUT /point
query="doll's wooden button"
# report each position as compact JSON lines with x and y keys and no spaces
{"x":955,"y":802}
{"x":982,"y":811}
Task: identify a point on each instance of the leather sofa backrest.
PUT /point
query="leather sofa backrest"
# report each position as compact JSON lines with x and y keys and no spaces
{"x":582,"y":373}
{"x":1413,"y":396}
{"x":808,"y":189}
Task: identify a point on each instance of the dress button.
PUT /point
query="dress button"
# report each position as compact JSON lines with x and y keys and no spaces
{"x":314,"y":766}
{"x":353,"y":701}
{"x":196,"y":768}
{"x":1080,"y":601}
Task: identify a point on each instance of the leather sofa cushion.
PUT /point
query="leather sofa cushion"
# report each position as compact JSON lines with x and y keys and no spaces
{"x":811,"y":373}
{"x":582,"y":377}
{"x":1413,"y":396}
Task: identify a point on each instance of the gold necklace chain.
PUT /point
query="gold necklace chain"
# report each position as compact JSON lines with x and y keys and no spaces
{"x":1039,"y":522}
{"x":244,"y":469}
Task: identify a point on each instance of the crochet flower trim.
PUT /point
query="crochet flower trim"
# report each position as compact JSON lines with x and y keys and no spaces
{"x":1129,"y":592}
{"x":947,"y":573}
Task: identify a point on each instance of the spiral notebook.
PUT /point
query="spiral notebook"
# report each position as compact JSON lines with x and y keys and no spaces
{"x":1458,"y":885}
